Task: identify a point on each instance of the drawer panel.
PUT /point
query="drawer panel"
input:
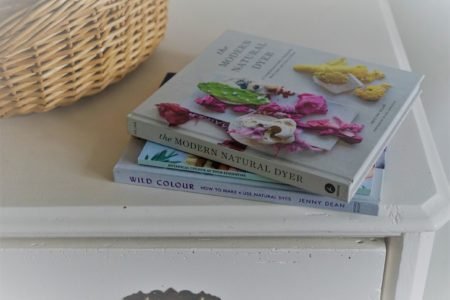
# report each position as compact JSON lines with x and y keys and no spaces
{"x":254,"y":268}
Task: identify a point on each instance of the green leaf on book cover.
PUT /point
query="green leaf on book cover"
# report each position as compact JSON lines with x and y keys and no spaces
{"x":163,"y":156}
{"x":232,"y":95}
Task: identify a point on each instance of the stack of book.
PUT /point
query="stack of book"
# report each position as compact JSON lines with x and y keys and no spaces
{"x":258,"y":119}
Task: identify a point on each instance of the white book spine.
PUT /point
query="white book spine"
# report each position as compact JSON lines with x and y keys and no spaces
{"x":153,"y":177}
{"x":310,"y":180}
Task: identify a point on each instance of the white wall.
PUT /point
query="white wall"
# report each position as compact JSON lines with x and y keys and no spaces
{"x":425,"y":30}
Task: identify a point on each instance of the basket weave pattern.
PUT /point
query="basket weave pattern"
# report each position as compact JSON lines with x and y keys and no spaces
{"x":57,"y":51}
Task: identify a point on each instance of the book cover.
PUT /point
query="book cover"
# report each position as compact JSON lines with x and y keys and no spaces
{"x":128,"y":171}
{"x":300,"y":116}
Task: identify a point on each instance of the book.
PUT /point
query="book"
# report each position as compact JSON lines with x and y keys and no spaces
{"x":157,"y":155}
{"x":128,"y":171}
{"x":300,"y":116}
{"x":216,"y":169}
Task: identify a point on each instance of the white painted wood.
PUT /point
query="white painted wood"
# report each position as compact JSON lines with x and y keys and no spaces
{"x":437,"y":287}
{"x":392,"y":266}
{"x":55,"y":168}
{"x":55,"y":181}
{"x":407,"y":265}
{"x":230,"y":269}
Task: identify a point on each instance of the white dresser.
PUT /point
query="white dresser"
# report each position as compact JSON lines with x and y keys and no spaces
{"x":68,"y":232}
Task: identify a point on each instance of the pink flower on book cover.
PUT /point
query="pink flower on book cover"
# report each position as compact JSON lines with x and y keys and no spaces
{"x":273,"y":109}
{"x":211,"y":103}
{"x":348,"y":132}
{"x":174,"y":113}
{"x":308,"y":104}
{"x":242,"y":109}
{"x":214,"y":104}
{"x":265,"y":122}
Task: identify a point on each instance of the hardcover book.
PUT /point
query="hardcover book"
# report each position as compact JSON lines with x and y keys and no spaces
{"x":128,"y":171}
{"x":303,"y":117}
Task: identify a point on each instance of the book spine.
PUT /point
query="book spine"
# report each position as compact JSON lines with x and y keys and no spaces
{"x":204,"y":170}
{"x":151,"y":178}
{"x":307,"y":180}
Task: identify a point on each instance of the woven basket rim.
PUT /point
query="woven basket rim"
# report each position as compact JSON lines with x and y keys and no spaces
{"x":54,"y":52}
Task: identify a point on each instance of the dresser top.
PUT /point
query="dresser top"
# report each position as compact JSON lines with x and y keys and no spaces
{"x":56,"y":167}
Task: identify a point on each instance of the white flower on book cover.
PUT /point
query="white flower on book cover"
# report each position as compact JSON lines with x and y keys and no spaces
{"x":265,"y":117}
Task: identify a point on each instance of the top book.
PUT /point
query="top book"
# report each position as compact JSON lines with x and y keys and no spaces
{"x":300,"y":116}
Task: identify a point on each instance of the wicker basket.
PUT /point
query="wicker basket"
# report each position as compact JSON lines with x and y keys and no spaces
{"x":57,"y":51}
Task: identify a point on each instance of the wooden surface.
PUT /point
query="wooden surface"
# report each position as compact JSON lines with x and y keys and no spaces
{"x":55,"y":168}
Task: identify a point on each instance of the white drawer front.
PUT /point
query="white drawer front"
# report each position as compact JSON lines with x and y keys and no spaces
{"x":304,"y":268}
